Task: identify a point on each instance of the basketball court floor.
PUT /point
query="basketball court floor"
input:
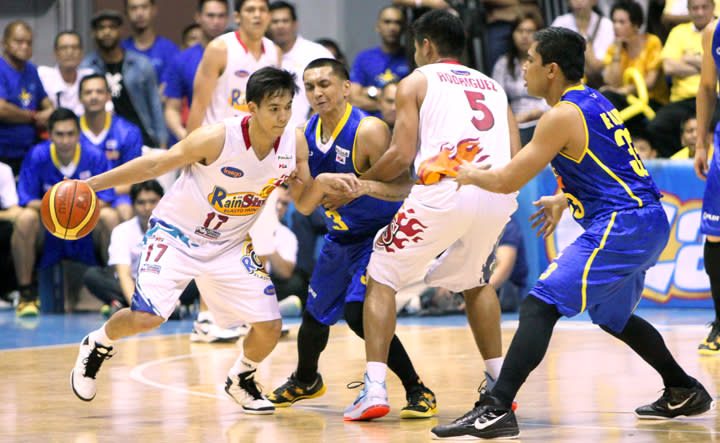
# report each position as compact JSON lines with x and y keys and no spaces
{"x":160,"y":387}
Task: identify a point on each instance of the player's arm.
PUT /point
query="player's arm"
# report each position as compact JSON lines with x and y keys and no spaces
{"x":211,"y":67}
{"x":401,"y":153}
{"x":515,"y":142}
{"x":359,"y":98}
{"x":705,"y":101}
{"x":10,"y":113}
{"x":551,"y":136}
{"x":203,"y":145}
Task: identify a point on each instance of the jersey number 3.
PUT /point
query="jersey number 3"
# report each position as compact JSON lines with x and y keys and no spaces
{"x":475,"y":99}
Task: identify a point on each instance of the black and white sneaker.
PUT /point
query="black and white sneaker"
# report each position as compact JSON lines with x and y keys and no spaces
{"x":245,"y":391}
{"x":488,"y":419}
{"x":678,"y":402}
{"x":90,"y":357}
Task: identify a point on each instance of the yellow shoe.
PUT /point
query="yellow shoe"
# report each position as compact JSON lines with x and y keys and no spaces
{"x":27,"y":309}
{"x":421,"y":403}
{"x":711,"y":345}
{"x":293,"y":390}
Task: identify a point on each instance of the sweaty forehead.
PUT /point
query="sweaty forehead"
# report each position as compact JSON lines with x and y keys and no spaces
{"x":317,"y":74}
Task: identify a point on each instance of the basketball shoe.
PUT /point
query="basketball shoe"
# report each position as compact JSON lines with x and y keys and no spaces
{"x":247,"y":393}
{"x":488,"y":385}
{"x":27,"y":309}
{"x":205,"y":330}
{"x":488,"y":419}
{"x":371,"y":402}
{"x":90,"y":357}
{"x":294,"y":390}
{"x":678,"y":402}
{"x":421,"y":403}
{"x":711,"y":345}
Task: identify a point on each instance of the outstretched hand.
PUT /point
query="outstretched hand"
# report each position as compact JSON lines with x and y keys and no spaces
{"x":548,"y":215}
{"x":467,"y":172}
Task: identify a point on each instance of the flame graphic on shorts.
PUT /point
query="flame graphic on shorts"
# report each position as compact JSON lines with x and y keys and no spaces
{"x":409,"y":227}
{"x":448,"y":160}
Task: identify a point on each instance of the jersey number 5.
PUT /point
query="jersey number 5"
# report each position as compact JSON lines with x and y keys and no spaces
{"x":475,"y":99}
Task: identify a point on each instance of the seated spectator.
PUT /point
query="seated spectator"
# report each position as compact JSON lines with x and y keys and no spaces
{"x":334,"y":49}
{"x":61,"y":81}
{"x":192,"y":35}
{"x":386,"y":104}
{"x":120,"y":140}
{"x":375,"y":67}
{"x":643,"y":147}
{"x":597,"y":30}
{"x":114,"y":284}
{"x":24,"y":105}
{"x":47,"y":163}
{"x":509,"y":277}
{"x":682,"y":58}
{"x":9,"y":211}
{"x":689,"y":140}
{"x":676,"y":12}
{"x":508,"y":72}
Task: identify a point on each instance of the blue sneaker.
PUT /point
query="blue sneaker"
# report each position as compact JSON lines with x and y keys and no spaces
{"x":372,"y":402}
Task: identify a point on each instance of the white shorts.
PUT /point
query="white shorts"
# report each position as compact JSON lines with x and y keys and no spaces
{"x":466,"y":224}
{"x":231,"y":279}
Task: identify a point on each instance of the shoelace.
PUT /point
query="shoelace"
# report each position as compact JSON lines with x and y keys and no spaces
{"x":355,"y":384}
{"x":95,"y":360}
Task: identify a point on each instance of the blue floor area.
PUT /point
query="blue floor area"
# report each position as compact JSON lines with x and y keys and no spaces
{"x":59,"y":329}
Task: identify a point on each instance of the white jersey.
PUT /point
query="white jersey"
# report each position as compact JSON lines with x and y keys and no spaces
{"x":463,"y":117}
{"x":228,"y":98}
{"x":126,"y":244}
{"x":219,"y":202}
{"x":60,"y":93}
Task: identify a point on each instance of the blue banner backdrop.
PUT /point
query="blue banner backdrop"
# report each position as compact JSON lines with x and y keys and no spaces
{"x":678,"y":279}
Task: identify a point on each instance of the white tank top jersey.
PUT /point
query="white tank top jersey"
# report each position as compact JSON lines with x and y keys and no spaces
{"x":228,"y":98}
{"x":219,"y":202}
{"x":463,"y":117}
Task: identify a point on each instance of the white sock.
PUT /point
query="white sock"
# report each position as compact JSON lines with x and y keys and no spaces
{"x":493,"y":367}
{"x":376,"y":371}
{"x":100,"y":337}
{"x":242,"y":364}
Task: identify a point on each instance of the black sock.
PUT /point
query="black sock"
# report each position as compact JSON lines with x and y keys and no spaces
{"x":398,"y":359}
{"x":527,"y":349}
{"x":312,"y":339}
{"x":26,"y":292}
{"x":647,"y":342}
{"x":712,"y":267}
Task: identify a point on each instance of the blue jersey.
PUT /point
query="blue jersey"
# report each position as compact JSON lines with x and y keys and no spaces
{"x":24,"y":90}
{"x":41,"y":170}
{"x":180,"y":74}
{"x":363,"y":216}
{"x":120,"y":140}
{"x":609,"y":176}
{"x":373,"y":67}
{"x":160,"y":53}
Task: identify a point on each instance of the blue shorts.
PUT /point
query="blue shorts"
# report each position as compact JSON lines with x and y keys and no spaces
{"x":603,"y":270}
{"x":56,"y":249}
{"x":121,"y":199}
{"x":710,"y":221}
{"x":338,"y":278}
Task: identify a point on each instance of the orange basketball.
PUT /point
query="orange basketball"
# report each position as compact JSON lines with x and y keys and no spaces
{"x":70,"y":210}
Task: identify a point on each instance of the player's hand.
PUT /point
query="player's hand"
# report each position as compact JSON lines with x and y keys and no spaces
{"x":548,"y":215}
{"x":332,"y":202}
{"x":339,"y":184}
{"x":701,"y":163}
{"x":468,"y":172}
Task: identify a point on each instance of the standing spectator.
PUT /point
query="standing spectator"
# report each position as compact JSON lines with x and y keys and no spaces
{"x":212,"y":17}
{"x":681,"y":58}
{"x":9,"y":211}
{"x":508,"y":72}
{"x":24,"y":105}
{"x":61,"y":81}
{"x":46,"y":164}
{"x":131,"y":77}
{"x":597,"y":31}
{"x":119,"y":139}
{"x":228,"y":62}
{"x":375,"y":67}
{"x":511,"y":269}
{"x":297,"y":52}
{"x":141,"y":15}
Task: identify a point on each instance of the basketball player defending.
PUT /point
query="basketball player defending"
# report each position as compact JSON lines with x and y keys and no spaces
{"x":201,"y":225}
{"x":612,"y":196}
{"x":344,"y":139}
{"x":445,"y":112}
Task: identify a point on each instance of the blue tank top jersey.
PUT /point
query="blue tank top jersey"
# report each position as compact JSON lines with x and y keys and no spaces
{"x":609,"y":176}
{"x":365,"y":215}
{"x":121,"y":143}
{"x":716,"y":58}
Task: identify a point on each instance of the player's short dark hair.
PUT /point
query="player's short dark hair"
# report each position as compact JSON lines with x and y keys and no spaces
{"x":90,"y":77}
{"x":327,"y":42}
{"x":151,"y":185}
{"x":125,"y":2}
{"x":201,"y":3}
{"x":397,"y":8}
{"x":239,"y":4}
{"x":61,"y":33}
{"x":338,"y":68}
{"x":269,"y":82}
{"x":564,"y":47}
{"x":274,"y":6}
{"x":633,"y":9}
{"x":186,"y":30}
{"x":443,"y":29}
{"x":11,"y":27}
{"x":60,"y":115}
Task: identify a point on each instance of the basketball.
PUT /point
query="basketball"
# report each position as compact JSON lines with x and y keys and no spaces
{"x":70,"y":210}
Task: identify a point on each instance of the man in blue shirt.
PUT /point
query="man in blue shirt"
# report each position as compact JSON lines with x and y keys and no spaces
{"x":46,"y":164}
{"x":24,"y":105}
{"x":375,"y":67}
{"x":119,"y":139}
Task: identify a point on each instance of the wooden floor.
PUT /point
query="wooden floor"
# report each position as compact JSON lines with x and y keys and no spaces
{"x":168,"y":389}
